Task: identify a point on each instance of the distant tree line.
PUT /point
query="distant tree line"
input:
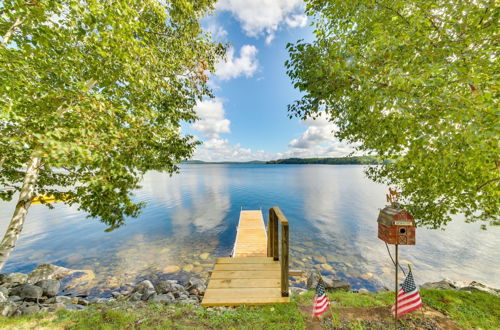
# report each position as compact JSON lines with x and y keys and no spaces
{"x":361,"y":160}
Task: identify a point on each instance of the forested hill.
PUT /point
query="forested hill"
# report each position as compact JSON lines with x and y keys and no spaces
{"x":364,"y":160}
{"x":360,"y":160}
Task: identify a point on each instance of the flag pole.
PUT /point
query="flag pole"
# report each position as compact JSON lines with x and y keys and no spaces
{"x":396,"y":291}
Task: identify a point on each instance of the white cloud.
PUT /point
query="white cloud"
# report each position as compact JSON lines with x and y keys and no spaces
{"x":214,"y":28}
{"x":212,"y":120}
{"x":318,"y":141}
{"x":263,"y":17}
{"x":270,"y":38}
{"x":318,"y":131}
{"x":234,"y":67}
{"x":299,"y":20}
{"x":219,"y":149}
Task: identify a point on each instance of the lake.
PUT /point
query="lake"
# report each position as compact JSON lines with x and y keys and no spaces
{"x":191,"y":218}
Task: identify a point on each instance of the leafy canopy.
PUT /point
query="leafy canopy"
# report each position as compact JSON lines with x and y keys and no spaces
{"x":98,"y":90}
{"x":413,"y":81}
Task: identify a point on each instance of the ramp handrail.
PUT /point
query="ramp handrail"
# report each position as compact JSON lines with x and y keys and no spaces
{"x":275,"y":215}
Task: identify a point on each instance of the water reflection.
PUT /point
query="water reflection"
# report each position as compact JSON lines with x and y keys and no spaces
{"x":191,"y":218}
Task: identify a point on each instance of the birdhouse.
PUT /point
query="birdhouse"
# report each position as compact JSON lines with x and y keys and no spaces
{"x":395,"y":225}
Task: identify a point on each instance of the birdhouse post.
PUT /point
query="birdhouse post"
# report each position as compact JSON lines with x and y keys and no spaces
{"x":396,"y":226}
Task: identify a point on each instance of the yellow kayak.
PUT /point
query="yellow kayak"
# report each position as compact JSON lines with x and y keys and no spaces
{"x":47,"y":199}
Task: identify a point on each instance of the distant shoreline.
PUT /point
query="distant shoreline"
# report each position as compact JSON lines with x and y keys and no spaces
{"x":356,"y":160}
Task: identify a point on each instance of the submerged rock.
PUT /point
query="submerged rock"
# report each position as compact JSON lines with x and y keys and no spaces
{"x":327,"y":267}
{"x":188,"y":268}
{"x":171,"y":269}
{"x":319,"y":259}
{"x":367,"y":276}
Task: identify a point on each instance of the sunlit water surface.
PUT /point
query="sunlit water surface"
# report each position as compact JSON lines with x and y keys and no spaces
{"x":332,"y":212}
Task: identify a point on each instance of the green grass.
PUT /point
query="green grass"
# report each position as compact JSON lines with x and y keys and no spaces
{"x":156,"y":316}
{"x":349,"y":299}
{"x":469,"y":310}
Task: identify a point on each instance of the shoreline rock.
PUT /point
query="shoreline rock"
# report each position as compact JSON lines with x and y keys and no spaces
{"x":52,"y":288}
{"x":43,"y":290}
{"x":447,"y":284}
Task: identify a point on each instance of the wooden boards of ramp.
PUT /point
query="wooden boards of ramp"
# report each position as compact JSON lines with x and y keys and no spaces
{"x":251,"y":237}
{"x":249,"y":277}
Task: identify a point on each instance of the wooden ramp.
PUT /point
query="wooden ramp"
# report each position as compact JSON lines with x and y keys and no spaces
{"x":249,"y":277}
{"x":251,"y":237}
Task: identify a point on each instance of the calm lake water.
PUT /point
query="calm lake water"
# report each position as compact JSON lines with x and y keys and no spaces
{"x":191,"y":218}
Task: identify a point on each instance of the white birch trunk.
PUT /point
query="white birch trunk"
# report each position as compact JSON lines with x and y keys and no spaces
{"x":25,"y":198}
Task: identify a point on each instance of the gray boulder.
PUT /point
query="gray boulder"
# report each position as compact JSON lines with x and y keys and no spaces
{"x":75,"y":307}
{"x":188,"y":301}
{"x":476,"y":286}
{"x":29,"y":309}
{"x":136,"y":296}
{"x":57,"y":307}
{"x":144,"y":287}
{"x":441,"y":285}
{"x":83,"y":302}
{"x":331,"y":283}
{"x":165,"y":286}
{"x":96,"y":300}
{"x":61,"y":300}
{"x":29,"y":292}
{"x":8,"y":308}
{"x":312,"y":281}
{"x":14,"y":298}
{"x":147,"y":295}
{"x":196,"y":286}
{"x":50,"y":287}
{"x":296,"y":290}
{"x":5,"y":291}
{"x":3,"y":298}
{"x":167,"y":298}
{"x":116,"y":294}
{"x":13,"y":278}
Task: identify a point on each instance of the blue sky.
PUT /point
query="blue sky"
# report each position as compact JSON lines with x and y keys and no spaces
{"x":248,"y":119}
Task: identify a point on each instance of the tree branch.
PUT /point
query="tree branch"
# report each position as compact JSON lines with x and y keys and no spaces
{"x":10,"y":31}
{"x":487,"y":182}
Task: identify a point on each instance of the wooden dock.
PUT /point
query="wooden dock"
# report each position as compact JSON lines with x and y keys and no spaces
{"x":255,"y":274}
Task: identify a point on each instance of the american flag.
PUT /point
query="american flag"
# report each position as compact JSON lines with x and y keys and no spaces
{"x":321,"y":302}
{"x":408,"y":297}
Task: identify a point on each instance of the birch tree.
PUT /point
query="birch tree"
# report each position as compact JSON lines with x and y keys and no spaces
{"x":415,"y":82}
{"x":92,"y":95}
